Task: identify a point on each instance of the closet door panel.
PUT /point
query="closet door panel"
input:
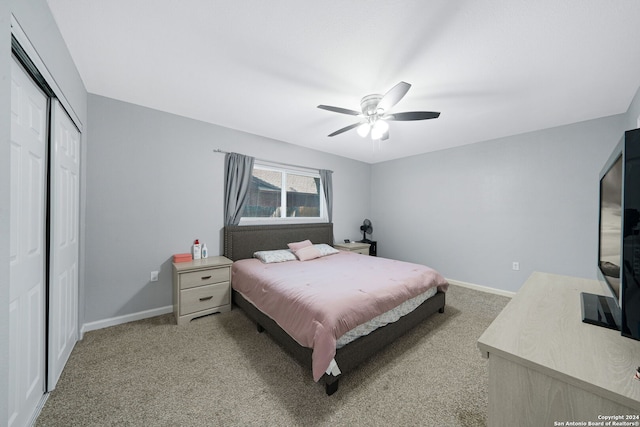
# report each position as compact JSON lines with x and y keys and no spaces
{"x":63,"y":291}
{"x":27,"y":246}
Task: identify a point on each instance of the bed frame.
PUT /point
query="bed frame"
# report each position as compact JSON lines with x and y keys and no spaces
{"x":240,"y":242}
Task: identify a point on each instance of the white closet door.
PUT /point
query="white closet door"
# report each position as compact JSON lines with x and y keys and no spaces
{"x":27,"y":247}
{"x":63,"y":287}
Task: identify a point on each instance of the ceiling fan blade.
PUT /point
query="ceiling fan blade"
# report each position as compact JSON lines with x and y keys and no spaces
{"x":340,"y":110}
{"x":344,"y":129}
{"x":394,"y":96}
{"x":412,"y":115}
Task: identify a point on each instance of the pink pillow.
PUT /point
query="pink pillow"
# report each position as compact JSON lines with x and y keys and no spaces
{"x":307,"y":253}
{"x":299,"y":245}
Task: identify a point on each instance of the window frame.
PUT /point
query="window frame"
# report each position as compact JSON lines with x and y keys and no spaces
{"x":285,"y":170}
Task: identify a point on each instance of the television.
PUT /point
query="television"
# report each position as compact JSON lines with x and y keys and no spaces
{"x":618,"y":262}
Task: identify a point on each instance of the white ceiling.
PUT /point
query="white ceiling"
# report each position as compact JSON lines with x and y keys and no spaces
{"x":493,"y":68}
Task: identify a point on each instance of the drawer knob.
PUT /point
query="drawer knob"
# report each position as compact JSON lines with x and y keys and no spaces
{"x":206,"y":298}
{"x":206,"y":278}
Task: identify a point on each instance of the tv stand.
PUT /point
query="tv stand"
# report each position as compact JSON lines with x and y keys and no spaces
{"x":547,"y":366}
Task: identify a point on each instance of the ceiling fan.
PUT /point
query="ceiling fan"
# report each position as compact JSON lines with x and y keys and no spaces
{"x":375,"y":113}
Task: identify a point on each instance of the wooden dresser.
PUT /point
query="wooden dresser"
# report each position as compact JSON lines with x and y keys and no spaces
{"x":547,"y":367}
{"x":201,"y":287}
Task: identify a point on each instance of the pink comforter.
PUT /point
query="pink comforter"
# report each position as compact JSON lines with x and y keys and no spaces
{"x":317,"y":301}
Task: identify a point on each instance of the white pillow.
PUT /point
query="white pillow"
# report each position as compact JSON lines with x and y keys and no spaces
{"x":280,"y":255}
{"x":326,"y":249}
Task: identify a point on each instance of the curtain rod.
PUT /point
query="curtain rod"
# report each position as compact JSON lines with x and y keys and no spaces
{"x":217,"y":150}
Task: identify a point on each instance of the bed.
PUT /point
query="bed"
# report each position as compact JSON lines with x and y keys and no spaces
{"x":241,"y":242}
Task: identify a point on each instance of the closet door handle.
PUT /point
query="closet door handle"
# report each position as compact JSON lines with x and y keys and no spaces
{"x":205,"y":278}
{"x":206,"y":298}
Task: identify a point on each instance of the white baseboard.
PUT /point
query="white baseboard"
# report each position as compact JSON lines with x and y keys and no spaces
{"x":481,"y":288}
{"x":99,"y":324}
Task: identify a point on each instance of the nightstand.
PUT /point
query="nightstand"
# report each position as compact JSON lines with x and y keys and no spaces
{"x":357,"y":247}
{"x":201,"y":287}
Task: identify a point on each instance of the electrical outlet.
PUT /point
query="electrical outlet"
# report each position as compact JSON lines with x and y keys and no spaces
{"x":154,"y":276}
{"x":516,"y":265}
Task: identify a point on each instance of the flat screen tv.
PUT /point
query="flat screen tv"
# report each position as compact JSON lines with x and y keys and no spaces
{"x":618,"y":242}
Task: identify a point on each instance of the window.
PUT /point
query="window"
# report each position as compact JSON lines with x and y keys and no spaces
{"x":279,"y":194}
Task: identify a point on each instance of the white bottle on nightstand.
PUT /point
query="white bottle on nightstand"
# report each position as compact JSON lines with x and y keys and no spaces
{"x":196,"y":250}
{"x":205,"y":252}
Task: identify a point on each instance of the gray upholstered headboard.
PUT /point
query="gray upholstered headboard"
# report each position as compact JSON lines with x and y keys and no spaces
{"x":241,"y":241}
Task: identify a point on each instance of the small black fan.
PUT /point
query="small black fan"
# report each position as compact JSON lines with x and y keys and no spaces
{"x":366,"y":228}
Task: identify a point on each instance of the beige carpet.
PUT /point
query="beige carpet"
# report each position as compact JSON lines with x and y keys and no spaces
{"x":218,"y":371}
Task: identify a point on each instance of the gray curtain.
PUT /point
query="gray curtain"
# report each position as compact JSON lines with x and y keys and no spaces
{"x":237,"y":177}
{"x":327,"y":184}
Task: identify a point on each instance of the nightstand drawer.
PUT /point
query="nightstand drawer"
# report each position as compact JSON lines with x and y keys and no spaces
{"x":204,"y":277}
{"x":204,"y":297}
{"x":364,"y":251}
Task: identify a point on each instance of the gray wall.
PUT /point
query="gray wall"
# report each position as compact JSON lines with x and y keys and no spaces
{"x":633,"y":113}
{"x":38,"y":23}
{"x":154,"y":185}
{"x":473,"y":210}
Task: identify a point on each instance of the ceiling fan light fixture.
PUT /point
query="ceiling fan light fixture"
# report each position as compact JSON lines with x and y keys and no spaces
{"x":363,"y":129}
{"x":379,"y":128}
